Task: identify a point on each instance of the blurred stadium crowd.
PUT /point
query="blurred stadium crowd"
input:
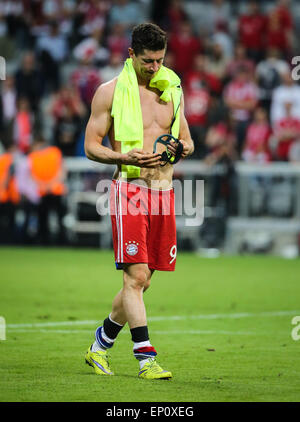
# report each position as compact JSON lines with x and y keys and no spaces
{"x":234,"y":59}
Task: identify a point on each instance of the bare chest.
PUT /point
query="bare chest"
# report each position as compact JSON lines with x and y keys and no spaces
{"x":156,"y":113}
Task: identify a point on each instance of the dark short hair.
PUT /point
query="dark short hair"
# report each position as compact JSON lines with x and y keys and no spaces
{"x":148,"y":36}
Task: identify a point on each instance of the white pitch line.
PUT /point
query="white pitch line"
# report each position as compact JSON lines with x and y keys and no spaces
{"x":52,"y":324}
{"x":159,"y":318}
{"x":181,"y":332}
{"x":221,"y":316}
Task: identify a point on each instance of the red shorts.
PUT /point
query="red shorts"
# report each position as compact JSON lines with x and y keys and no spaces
{"x":143,"y":226}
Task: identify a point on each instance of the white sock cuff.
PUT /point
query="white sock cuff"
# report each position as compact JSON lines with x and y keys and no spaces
{"x":141,"y":344}
{"x":96,"y":347}
{"x":105,"y":338}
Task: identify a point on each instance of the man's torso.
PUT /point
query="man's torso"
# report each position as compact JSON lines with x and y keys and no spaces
{"x":157,"y":117}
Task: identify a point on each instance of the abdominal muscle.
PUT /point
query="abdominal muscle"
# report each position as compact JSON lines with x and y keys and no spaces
{"x":156,"y":178}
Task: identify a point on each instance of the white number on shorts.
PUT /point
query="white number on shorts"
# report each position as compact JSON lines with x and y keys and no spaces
{"x":173,"y":252}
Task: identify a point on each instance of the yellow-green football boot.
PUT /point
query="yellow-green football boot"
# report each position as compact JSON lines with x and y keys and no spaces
{"x":152,"y":371}
{"x":99,"y":361}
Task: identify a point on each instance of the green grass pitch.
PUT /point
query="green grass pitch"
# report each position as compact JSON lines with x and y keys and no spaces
{"x":222,"y":326}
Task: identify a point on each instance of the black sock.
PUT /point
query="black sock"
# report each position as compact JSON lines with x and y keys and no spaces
{"x":139,"y":334}
{"x":142,"y":348}
{"x":111,"y":328}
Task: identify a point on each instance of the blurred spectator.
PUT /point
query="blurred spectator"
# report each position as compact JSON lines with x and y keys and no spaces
{"x":52,"y":9}
{"x":113,"y":68}
{"x":283,"y":10}
{"x":268,"y":74}
{"x":29,"y":199}
{"x":221,"y":143}
{"x":217,"y":12}
{"x":126,"y":13}
{"x":257,"y":150}
{"x":251,"y":30}
{"x":256,"y":147}
{"x":14,"y":13}
{"x":199,"y":87}
{"x":91,"y":49}
{"x":29,"y":81}
{"x":67,"y":98}
{"x":52,"y":49}
{"x":3,"y":24}
{"x":175,"y":15}
{"x":158,"y":13}
{"x":217,"y":62}
{"x":118,"y":41}
{"x":62,"y":11}
{"x":222,"y":37}
{"x":8,"y":110}
{"x":197,"y":101}
{"x":279,"y":29}
{"x":287,"y":92}
{"x":286,"y":132}
{"x":66,"y":133}
{"x":91,"y":15}
{"x":7,"y":44}
{"x":47,"y":170}
{"x":241,"y":96}
{"x":198,"y":76}
{"x":23,"y":126}
{"x":239,"y":60}
{"x":9,"y":196}
{"x":294,"y":151}
{"x":37,"y":22}
{"x":169,"y":59}
{"x":36,"y":13}
{"x":69,"y":114}
{"x":67,"y":17}
{"x":184,"y":45}
{"x":85,"y":79}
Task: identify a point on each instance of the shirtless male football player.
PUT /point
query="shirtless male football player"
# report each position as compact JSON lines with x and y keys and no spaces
{"x":142,"y":243}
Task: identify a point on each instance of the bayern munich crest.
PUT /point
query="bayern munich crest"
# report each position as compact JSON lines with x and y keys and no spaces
{"x":131,"y":248}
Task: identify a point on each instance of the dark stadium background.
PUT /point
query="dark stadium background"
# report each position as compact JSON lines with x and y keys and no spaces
{"x":226,"y":322}
{"x":58,"y":52}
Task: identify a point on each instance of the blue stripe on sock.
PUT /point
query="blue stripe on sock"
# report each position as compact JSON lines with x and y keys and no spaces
{"x":100,"y":340}
{"x":149,"y":354}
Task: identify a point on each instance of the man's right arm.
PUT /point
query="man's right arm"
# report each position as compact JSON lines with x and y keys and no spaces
{"x":98,"y":127}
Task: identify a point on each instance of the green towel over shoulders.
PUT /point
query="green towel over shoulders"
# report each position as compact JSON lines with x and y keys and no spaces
{"x":127,"y":113}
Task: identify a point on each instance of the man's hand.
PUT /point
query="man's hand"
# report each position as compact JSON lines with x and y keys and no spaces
{"x":140,"y":158}
{"x":187,"y":148}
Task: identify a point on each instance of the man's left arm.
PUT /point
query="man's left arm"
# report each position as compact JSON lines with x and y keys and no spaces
{"x":184,"y":133}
